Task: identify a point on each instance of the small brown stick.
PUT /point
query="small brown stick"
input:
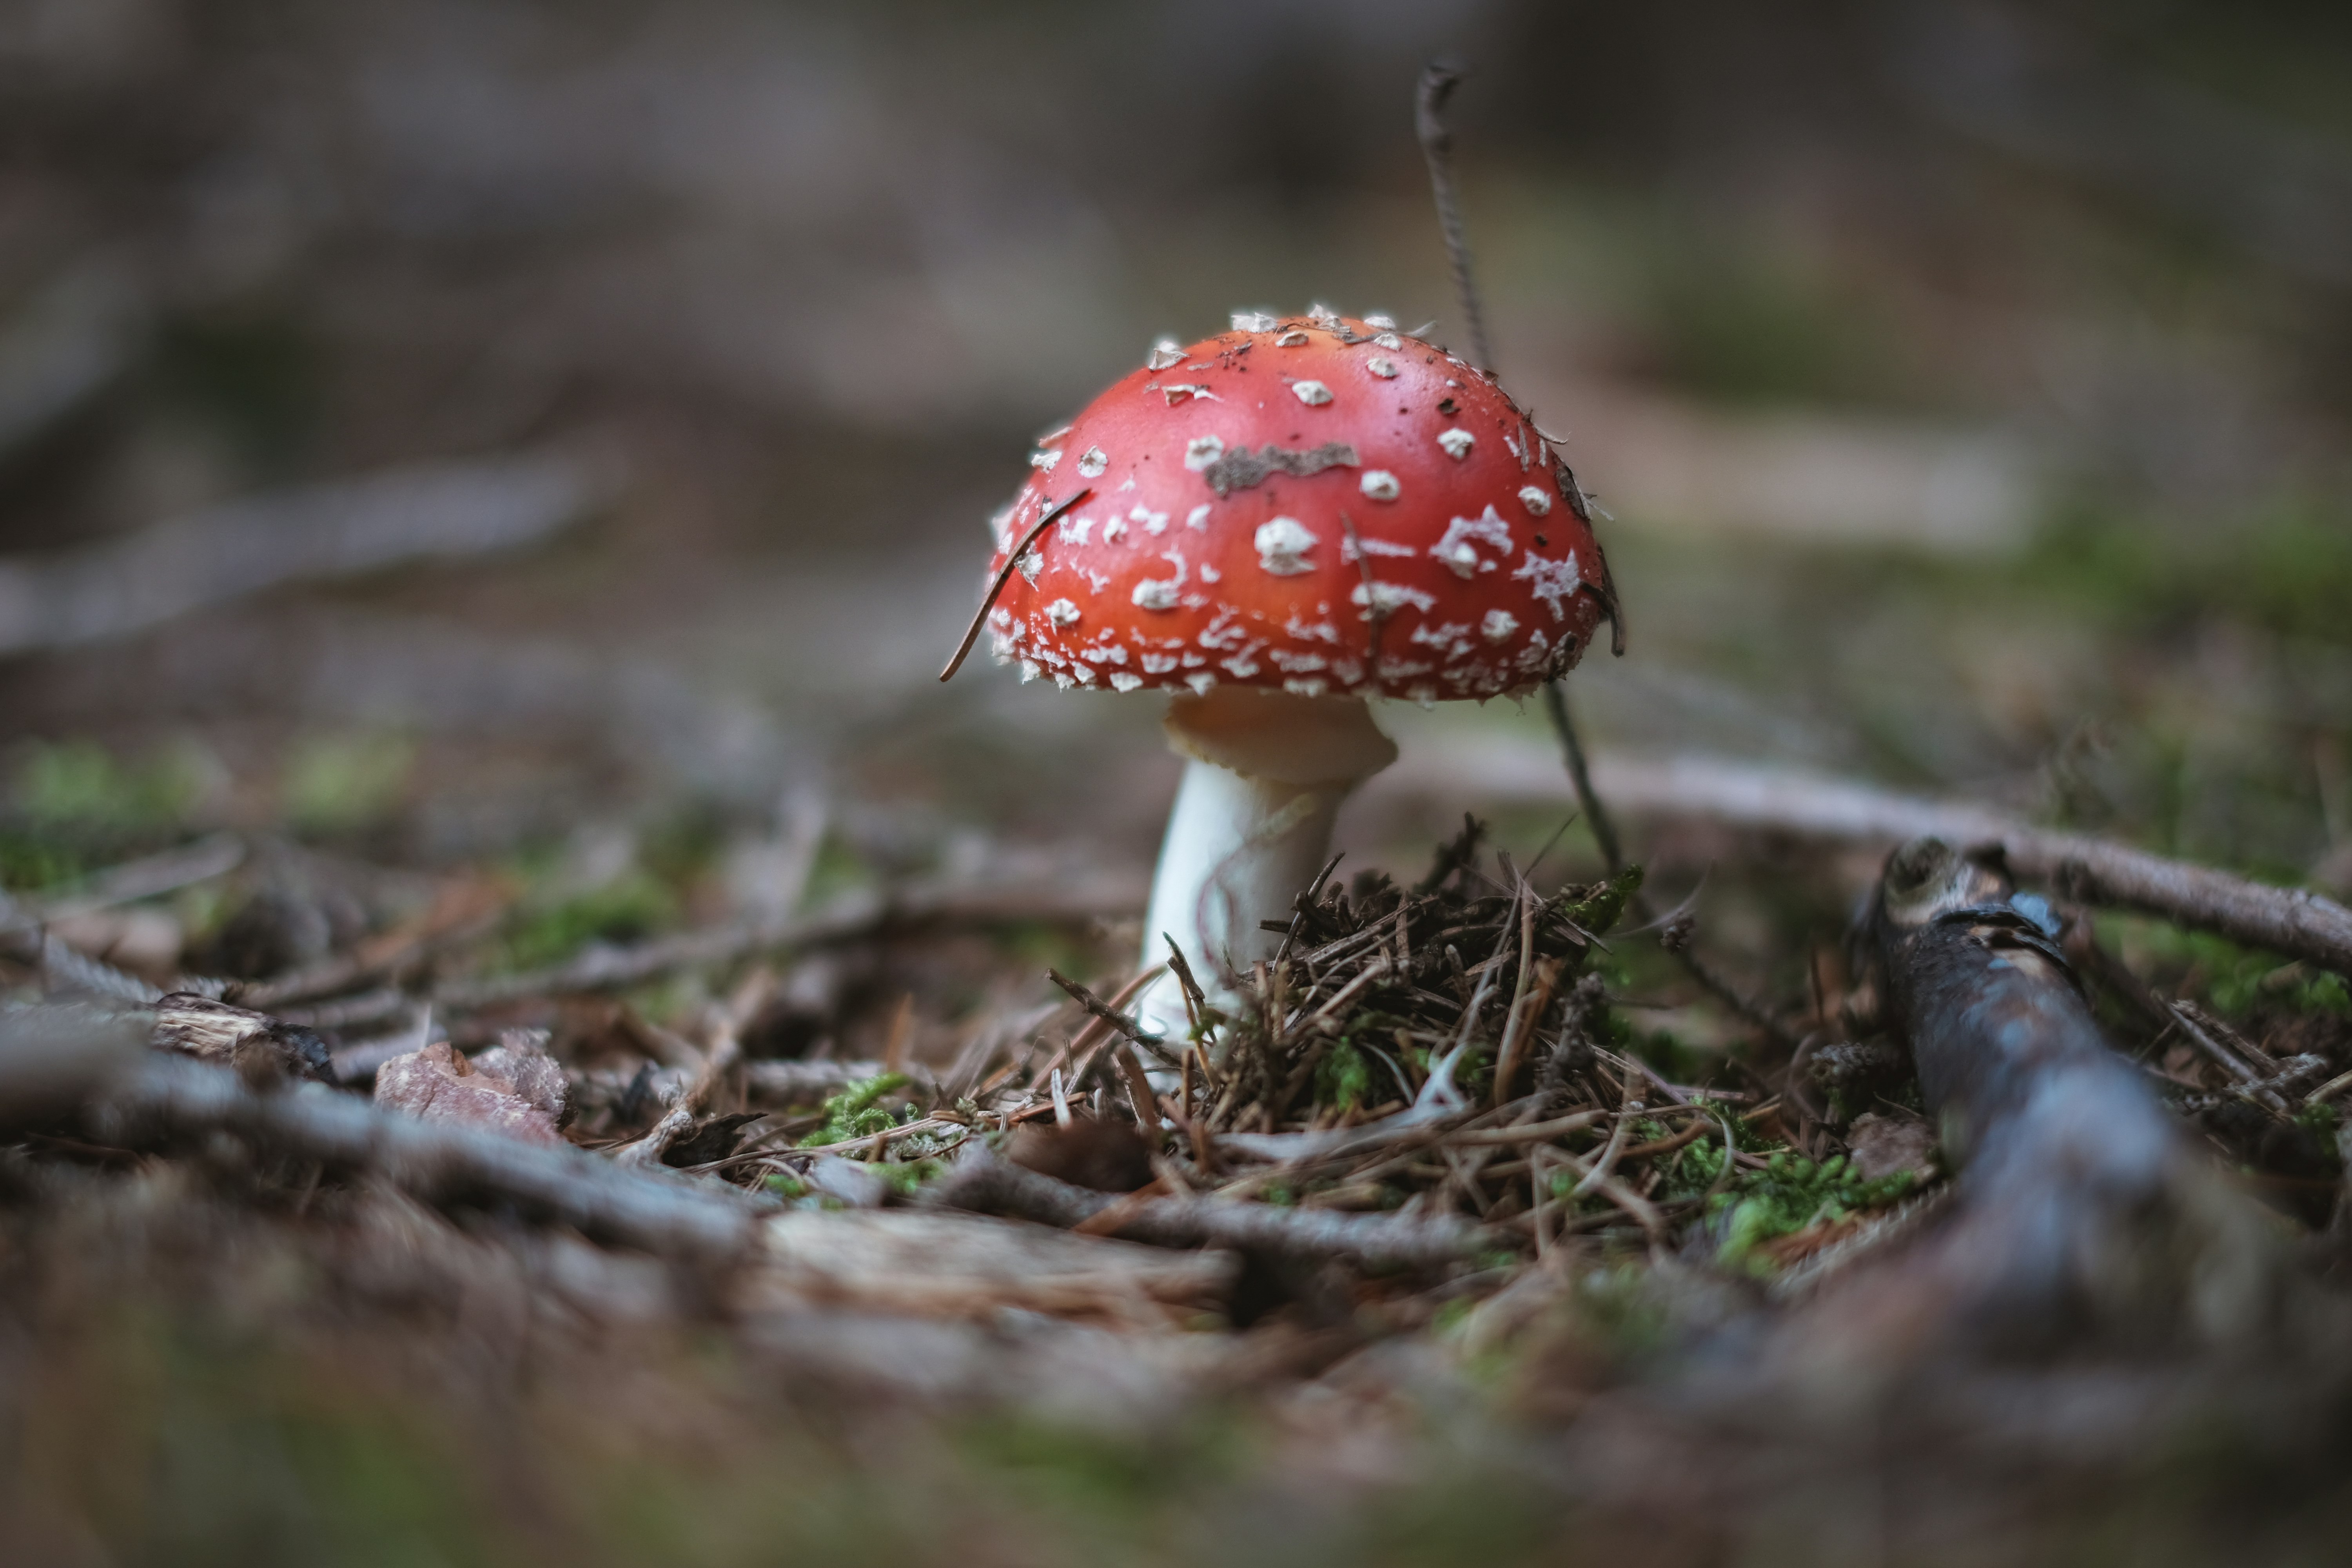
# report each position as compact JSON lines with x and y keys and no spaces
{"x":1580,"y":775}
{"x":2192,"y":1023}
{"x":1369,"y":976}
{"x":1138,"y":1090}
{"x":1517,"y":1021}
{"x":1601,"y":1169}
{"x":1331,"y":951}
{"x":1437,"y":85}
{"x":1636,"y":1206}
{"x":1300,"y":905}
{"x":1104,"y":1013}
{"x":2265,"y":1063}
{"x":1533,"y":1132}
{"x":1700,"y":1128}
{"x":1604,"y":834}
{"x":2329,"y":1090}
{"x":1096,"y":1026}
{"x":726,"y":1053}
{"x":1196,"y":1002}
{"x":985,"y":1184}
{"x":1105,"y":1221}
{"x":1671,"y":1091}
{"x":1012,"y":561}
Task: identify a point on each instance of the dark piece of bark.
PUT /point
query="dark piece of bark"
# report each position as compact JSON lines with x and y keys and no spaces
{"x":166,"y":1100}
{"x":986,"y":1185}
{"x":260,"y":1048}
{"x":2082,"y":1204}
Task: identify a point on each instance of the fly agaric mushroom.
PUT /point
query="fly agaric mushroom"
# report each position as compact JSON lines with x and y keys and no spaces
{"x":1276,"y":524}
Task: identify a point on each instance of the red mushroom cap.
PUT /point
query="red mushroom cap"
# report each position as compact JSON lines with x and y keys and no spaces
{"x":1318,"y":505}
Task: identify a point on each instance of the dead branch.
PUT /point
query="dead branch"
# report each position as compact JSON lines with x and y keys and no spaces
{"x":329,"y":530}
{"x":2287,"y":921}
{"x":2081,"y":1202}
{"x":983,"y":1183}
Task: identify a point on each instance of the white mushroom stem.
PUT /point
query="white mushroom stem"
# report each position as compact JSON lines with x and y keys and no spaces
{"x":1264,"y":777}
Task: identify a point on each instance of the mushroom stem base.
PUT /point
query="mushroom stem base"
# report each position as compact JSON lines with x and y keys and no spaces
{"x":1250,"y":828}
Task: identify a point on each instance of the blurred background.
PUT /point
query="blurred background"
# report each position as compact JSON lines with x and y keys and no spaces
{"x":455,"y":432}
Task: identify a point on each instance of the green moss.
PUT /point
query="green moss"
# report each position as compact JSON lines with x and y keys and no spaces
{"x":2286,"y":567}
{"x":33,"y":863}
{"x":856,"y":1111}
{"x":1343,"y":1079}
{"x":73,"y":806}
{"x":1596,"y":909}
{"x":684,"y":845}
{"x":342,"y":782}
{"x":839,"y":870}
{"x":2236,"y":980}
{"x":81,"y":787}
{"x":1617,"y":1304}
{"x":1666,"y":1052}
{"x":1790,"y":1195}
{"x":903,"y":1177}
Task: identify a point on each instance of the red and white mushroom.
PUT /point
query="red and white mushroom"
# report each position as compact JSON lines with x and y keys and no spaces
{"x":1280,"y":522}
